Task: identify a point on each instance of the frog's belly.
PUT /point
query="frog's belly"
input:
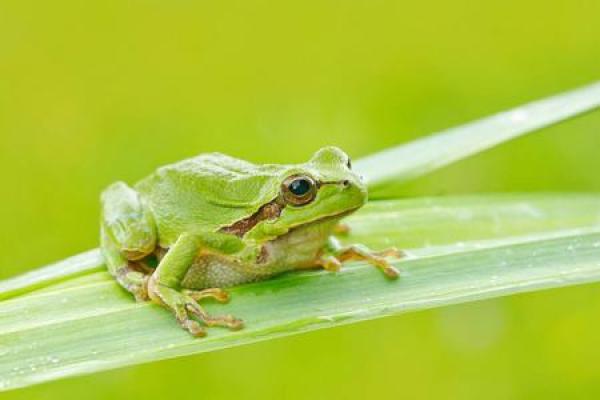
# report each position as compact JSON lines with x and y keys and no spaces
{"x":299,"y":249}
{"x":213,"y":270}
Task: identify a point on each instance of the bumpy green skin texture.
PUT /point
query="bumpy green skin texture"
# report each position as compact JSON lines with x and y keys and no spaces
{"x":201,"y":195}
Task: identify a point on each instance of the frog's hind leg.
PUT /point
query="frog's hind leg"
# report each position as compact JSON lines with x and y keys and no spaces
{"x":127,"y":236}
{"x":164,"y":287}
{"x":360,"y":253}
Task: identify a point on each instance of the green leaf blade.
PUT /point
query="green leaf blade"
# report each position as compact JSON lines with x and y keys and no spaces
{"x":69,"y":268}
{"x":130,"y":334}
{"x":412,"y":160}
{"x":95,"y":325}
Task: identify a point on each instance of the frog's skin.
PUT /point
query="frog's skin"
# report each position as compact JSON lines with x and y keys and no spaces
{"x":214,"y":221}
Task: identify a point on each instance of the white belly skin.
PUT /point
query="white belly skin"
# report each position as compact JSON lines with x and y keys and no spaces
{"x":298,"y":249}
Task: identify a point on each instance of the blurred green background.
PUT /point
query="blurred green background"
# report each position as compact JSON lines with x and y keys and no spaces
{"x":95,"y":91}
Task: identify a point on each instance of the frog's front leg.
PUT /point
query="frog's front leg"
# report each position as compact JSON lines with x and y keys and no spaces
{"x":164,"y":287}
{"x":127,"y":235}
{"x":130,"y":275}
{"x":360,"y":252}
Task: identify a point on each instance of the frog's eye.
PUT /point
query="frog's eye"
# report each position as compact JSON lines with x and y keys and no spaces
{"x":299,"y":190}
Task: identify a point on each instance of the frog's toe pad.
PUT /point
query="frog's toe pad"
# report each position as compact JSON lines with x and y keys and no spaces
{"x":390,"y":271}
{"x":193,"y":327}
{"x":391,"y":252}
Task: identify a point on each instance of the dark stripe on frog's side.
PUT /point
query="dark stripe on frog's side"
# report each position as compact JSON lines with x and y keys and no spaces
{"x":268,"y":211}
{"x":240,"y":228}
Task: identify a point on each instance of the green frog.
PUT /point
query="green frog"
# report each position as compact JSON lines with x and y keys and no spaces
{"x":193,"y":228}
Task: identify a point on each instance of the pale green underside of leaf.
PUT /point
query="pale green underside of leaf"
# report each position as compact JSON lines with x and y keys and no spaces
{"x":463,"y":249}
{"x":412,"y":160}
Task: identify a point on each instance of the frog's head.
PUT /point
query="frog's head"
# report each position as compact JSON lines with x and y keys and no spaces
{"x":324,"y":187}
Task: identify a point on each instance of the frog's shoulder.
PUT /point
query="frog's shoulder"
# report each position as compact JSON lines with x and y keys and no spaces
{"x":217,"y":178}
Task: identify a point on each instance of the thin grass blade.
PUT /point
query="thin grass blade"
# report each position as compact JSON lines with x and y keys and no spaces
{"x":520,"y":243}
{"x":412,"y":160}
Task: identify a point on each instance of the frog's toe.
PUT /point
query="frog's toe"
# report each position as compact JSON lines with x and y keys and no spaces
{"x":391,"y":252}
{"x":134,"y":282}
{"x":329,"y":263}
{"x":194,"y":328}
{"x":388,"y":270}
{"x":379,"y":259}
{"x":188,"y":323}
{"x":218,"y":294}
{"x":226,"y":321}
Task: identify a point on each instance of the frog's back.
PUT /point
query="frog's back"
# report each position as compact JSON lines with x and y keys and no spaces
{"x":205,"y":193}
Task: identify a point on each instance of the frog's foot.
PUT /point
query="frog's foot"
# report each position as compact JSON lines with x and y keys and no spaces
{"x":188,"y":312}
{"x":134,"y":281}
{"x":375,"y":258}
{"x":329,"y":263}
